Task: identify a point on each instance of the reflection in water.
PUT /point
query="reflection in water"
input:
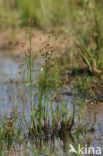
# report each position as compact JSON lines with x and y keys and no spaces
{"x":12,"y":96}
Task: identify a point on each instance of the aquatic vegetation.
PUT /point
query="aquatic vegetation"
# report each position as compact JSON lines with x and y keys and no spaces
{"x":9,"y":131}
{"x":48,"y":117}
{"x":88,"y":56}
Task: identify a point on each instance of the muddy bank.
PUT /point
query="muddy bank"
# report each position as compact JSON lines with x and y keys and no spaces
{"x":11,"y":41}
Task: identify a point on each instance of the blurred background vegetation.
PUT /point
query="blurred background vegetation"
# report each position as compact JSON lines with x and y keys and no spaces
{"x":65,"y":14}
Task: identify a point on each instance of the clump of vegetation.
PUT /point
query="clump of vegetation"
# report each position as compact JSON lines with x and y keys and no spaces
{"x":45,"y":119}
{"x":10,"y":132}
{"x":88,"y":56}
{"x":7,"y":132}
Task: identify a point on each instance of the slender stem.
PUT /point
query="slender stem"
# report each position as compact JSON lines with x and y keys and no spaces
{"x":30,"y":67}
{"x":30,"y":77}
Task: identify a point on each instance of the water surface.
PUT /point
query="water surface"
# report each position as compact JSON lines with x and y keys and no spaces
{"x":12,"y":96}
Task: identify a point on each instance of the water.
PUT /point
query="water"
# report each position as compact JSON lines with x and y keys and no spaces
{"x":11,"y":97}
